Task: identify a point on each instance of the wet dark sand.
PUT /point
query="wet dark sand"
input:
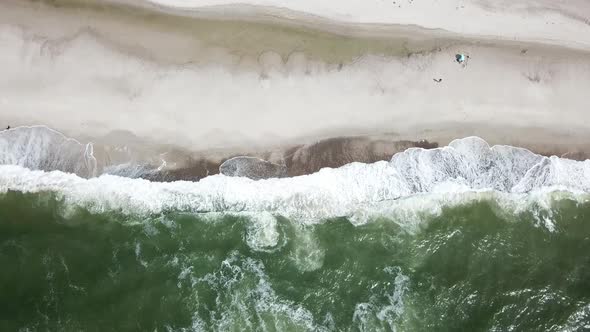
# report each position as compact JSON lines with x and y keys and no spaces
{"x":301,"y":159}
{"x":333,"y":152}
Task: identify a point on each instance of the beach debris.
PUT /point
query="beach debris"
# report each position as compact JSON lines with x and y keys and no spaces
{"x":437,"y":80}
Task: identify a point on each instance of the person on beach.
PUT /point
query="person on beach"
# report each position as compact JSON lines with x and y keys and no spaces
{"x":462,"y":59}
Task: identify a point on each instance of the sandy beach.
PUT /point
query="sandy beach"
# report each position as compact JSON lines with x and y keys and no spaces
{"x":209,"y":80}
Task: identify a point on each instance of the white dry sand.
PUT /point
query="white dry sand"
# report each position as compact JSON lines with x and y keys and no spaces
{"x":551,"y":21}
{"x":207,"y":84}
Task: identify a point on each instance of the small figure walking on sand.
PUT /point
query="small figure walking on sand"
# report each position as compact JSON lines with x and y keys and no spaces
{"x":462,"y":59}
{"x":7,"y":128}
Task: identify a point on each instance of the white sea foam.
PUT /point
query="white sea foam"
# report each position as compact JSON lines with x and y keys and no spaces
{"x":357,"y":190}
{"x":263,"y":232}
{"x":242,"y":283}
{"x":368,"y":314}
{"x":43,"y":148}
{"x":307,"y":254}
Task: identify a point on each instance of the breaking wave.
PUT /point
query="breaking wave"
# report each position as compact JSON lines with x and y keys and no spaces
{"x":53,"y":163}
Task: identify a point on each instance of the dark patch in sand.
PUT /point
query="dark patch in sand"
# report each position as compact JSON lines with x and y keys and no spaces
{"x":296,"y":160}
{"x":337,"y":152}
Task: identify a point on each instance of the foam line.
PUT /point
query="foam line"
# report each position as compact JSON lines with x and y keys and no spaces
{"x":466,"y":165}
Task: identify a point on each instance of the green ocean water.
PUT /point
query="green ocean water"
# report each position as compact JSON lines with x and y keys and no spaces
{"x":470,"y":268}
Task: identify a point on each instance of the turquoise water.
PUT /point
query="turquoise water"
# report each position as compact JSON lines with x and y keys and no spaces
{"x":473,"y":267}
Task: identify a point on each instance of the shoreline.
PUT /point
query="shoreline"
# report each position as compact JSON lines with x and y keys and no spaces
{"x":138,"y":159}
